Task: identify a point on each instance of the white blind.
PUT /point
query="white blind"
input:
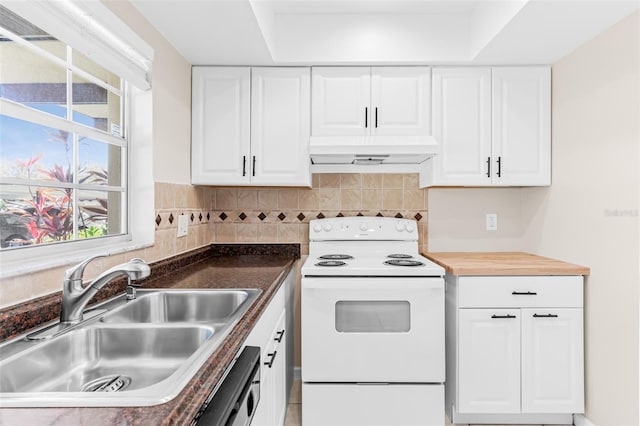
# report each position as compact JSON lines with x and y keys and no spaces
{"x":91,"y":28}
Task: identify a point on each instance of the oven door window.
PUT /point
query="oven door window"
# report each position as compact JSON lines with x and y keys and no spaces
{"x":373,"y":316}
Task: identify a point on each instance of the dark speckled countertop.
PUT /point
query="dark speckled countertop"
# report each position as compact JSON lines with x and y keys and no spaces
{"x":224,"y":266}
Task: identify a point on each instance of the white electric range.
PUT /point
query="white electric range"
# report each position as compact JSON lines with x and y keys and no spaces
{"x":372,"y":325}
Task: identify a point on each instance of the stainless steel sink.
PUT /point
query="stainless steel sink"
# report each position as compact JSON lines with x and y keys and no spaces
{"x":205,"y":306}
{"x":72,"y":362}
{"x":139,"y":352}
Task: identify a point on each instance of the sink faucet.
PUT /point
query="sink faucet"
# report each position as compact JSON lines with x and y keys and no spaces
{"x":75,"y":297}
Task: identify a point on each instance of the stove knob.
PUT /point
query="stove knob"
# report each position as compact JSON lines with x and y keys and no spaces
{"x":410,"y":227}
{"x":317,"y":227}
{"x":363,"y":226}
{"x":400,"y":226}
{"x":326,"y":226}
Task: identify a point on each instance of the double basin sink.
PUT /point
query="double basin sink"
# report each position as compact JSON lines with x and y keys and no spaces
{"x":127,"y":353}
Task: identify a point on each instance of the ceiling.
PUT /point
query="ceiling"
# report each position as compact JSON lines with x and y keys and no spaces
{"x":378,"y":32}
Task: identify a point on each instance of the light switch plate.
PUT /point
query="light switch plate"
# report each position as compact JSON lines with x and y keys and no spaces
{"x":183,"y":225}
{"x":492,"y":221}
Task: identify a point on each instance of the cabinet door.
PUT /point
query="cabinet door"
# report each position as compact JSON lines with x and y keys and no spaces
{"x":400,"y":101}
{"x":280,"y":372}
{"x":263,"y":334}
{"x":341,"y":98}
{"x":552,"y":361}
{"x":521,"y":130}
{"x":220,"y":125}
{"x":489,"y":361}
{"x":272,"y":408}
{"x":462,"y":125}
{"x":266,"y":405}
{"x":280,"y":109}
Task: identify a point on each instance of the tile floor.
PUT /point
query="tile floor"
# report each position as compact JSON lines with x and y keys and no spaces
{"x":294,"y":410}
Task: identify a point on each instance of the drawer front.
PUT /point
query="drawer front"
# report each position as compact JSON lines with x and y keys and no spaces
{"x":372,"y":404}
{"x":520,"y":292}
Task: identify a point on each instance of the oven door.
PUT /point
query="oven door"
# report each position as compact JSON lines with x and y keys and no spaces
{"x":373,"y":329}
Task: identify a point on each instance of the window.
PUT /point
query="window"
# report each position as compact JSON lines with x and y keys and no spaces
{"x":68,"y":85}
{"x":63,"y":155}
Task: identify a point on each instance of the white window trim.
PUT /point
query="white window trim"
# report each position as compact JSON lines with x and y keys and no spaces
{"x":141,"y":229}
{"x":90,"y":27}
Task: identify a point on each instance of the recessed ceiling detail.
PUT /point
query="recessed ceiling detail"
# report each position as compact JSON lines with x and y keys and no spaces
{"x":379,"y":32}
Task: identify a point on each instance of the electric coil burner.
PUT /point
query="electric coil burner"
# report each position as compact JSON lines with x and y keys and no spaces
{"x":403,"y":262}
{"x":400,"y":256}
{"x":372,"y":328}
{"x":331,"y":263}
{"x":336,"y":257}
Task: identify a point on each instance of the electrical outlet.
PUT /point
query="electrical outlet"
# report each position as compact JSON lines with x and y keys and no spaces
{"x":492,"y":221}
{"x":183,"y":225}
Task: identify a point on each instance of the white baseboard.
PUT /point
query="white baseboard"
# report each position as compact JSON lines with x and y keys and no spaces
{"x":297,"y":373}
{"x":581,"y":420}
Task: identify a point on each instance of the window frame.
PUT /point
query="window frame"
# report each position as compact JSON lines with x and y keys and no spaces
{"x":136,"y":212}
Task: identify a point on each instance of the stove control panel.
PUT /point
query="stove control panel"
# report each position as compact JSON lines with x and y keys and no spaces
{"x":363,"y":228}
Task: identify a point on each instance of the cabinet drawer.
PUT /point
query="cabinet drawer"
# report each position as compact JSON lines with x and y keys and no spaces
{"x":516,"y":292}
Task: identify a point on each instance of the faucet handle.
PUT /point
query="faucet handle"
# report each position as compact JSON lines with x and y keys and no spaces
{"x":75,"y":273}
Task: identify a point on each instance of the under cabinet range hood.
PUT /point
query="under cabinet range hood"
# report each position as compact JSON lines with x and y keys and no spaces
{"x":372,"y":150}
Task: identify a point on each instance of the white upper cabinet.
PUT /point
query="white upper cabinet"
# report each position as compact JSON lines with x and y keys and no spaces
{"x":280,"y":126}
{"x":521,"y":125}
{"x":400,"y":101}
{"x":493,"y":126}
{"x":220,"y":125}
{"x":462,"y":125}
{"x":363,"y":101}
{"x":340,"y":101}
{"x":250,"y":126}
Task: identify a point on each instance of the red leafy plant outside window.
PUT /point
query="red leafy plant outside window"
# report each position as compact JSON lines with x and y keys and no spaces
{"x":50,"y":210}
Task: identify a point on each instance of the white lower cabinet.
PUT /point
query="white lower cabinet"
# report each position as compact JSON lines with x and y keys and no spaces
{"x":489,"y":361}
{"x":271,"y":335}
{"x":552,"y":363}
{"x":514,"y":349}
{"x":278,"y":371}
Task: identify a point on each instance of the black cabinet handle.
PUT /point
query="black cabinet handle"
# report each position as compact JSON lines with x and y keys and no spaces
{"x":272,"y":357}
{"x":376,"y":117}
{"x":545,"y":316}
{"x":244,"y":165}
{"x":524,"y":293}
{"x":366,"y":117}
{"x":488,"y":167}
{"x":499,"y":166}
{"x":254,"y":165}
{"x":503,"y":316}
{"x":280,"y":334}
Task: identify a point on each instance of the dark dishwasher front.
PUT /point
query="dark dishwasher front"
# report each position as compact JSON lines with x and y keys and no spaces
{"x":236,"y":399}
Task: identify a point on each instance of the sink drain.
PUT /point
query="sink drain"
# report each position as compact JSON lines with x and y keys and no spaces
{"x":114,"y":383}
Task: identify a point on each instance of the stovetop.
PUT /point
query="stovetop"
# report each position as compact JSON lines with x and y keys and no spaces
{"x":366,"y":246}
{"x":373,"y":266}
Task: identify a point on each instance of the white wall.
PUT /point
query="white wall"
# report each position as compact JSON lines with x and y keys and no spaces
{"x":457,"y":219}
{"x":589,"y":215}
{"x":171,"y":99}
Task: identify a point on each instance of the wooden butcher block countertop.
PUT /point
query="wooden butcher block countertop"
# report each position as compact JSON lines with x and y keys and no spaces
{"x":503,"y":263}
